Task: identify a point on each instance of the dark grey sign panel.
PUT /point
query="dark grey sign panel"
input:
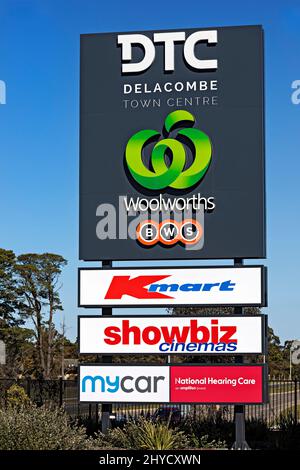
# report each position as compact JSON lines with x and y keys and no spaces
{"x":214,"y":77}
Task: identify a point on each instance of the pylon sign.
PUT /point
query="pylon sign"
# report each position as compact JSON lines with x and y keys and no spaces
{"x":172,"y":168}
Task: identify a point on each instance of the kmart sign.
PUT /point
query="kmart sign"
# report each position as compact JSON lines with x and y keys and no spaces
{"x":172,"y":286}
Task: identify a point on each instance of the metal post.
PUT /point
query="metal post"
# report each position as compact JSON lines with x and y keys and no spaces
{"x":106,"y":408}
{"x":28,"y":387}
{"x":239,"y":410}
{"x":295,"y":402}
{"x":61,"y":391}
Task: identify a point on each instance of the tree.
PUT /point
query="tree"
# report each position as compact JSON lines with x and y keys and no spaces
{"x":287,"y":349}
{"x":197,"y":311}
{"x":38,"y":278}
{"x":10,"y":295}
{"x":276,"y":363}
{"x":21,"y":359}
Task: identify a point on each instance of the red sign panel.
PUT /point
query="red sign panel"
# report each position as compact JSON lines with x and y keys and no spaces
{"x":216,"y":384}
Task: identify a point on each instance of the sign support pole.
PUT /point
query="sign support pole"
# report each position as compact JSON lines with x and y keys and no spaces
{"x":106,"y":408}
{"x":239,"y":410}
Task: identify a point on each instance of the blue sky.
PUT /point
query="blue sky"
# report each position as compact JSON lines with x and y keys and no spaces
{"x":39,"y":125}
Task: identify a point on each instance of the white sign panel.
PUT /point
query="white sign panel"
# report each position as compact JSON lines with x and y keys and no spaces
{"x":183,"y":383}
{"x":108,"y":383}
{"x":170,"y":335}
{"x":171,"y":286}
{"x":2,"y":353}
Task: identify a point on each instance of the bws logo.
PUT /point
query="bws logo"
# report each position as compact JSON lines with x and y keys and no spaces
{"x":147,"y":287}
{"x":174,"y":175}
{"x":169,"y":232}
{"x":168,"y":40}
{"x":127,"y":384}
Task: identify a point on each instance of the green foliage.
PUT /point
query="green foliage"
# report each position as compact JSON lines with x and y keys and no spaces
{"x":16,"y":397}
{"x":286,"y":422}
{"x":32,"y":428}
{"x":10,"y":298}
{"x":257,"y":433}
{"x":205,"y":442}
{"x":38,"y":276}
{"x":288,"y":432}
{"x":197,"y":311}
{"x":29,"y":288}
{"x":148,"y":435}
{"x":20,"y":352}
{"x":211,"y":428}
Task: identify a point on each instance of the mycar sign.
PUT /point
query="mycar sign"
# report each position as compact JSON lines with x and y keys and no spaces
{"x":207,"y":286}
{"x":206,"y":384}
{"x":172,"y":335}
{"x":172,"y":145}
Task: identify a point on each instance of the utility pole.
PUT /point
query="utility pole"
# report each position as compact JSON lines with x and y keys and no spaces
{"x":63,"y":328}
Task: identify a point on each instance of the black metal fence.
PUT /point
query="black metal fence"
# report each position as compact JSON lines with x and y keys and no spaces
{"x":284,"y":398}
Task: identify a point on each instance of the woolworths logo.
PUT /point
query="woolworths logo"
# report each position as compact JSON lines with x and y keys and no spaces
{"x":175,"y":174}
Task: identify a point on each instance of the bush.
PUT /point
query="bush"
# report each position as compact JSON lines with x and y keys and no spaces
{"x":32,"y":428}
{"x":205,"y":442}
{"x":288,"y":434}
{"x":209,"y":429}
{"x":17,"y":397}
{"x":149,"y":435}
{"x":257,"y":434}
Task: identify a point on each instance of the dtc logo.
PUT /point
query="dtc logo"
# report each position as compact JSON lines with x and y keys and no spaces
{"x":126,"y":384}
{"x":169,"y":40}
{"x":174,"y":175}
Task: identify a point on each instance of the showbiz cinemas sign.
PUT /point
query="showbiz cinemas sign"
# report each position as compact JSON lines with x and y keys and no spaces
{"x":172,"y":145}
{"x":209,"y":286}
{"x":172,"y":335}
{"x":222,"y":384}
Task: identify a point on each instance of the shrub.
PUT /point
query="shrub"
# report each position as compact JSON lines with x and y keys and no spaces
{"x":288,"y":434}
{"x":257,"y":434}
{"x":32,"y":428}
{"x":17,"y":397}
{"x":212,"y":428}
{"x":144,"y":434}
{"x":205,"y":442}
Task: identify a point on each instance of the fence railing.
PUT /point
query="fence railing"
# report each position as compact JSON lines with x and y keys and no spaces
{"x":284,"y":398}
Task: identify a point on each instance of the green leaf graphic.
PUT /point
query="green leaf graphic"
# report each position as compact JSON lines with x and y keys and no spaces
{"x":172,"y":175}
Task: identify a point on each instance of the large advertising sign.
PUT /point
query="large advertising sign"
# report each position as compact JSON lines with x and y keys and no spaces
{"x":172,"y":145}
{"x":213,"y":286}
{"x":172,"y":335}
{"x":223,"y":384}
